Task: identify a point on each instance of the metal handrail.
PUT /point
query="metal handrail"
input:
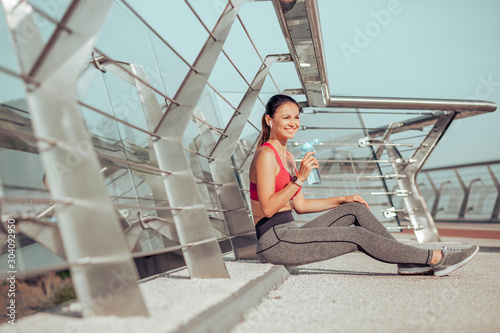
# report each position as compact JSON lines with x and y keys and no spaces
{"x":457,"y":105}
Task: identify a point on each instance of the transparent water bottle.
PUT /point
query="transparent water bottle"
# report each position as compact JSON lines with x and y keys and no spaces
{"x":314,"y":178}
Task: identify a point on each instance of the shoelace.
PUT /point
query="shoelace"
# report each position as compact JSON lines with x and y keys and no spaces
{"x":451,"y":250}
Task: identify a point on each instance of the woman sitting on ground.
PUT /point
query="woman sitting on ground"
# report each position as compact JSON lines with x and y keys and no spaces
{"x":347,"y":226}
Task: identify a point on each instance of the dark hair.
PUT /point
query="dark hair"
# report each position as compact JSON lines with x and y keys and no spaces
{"x":272,"y":105}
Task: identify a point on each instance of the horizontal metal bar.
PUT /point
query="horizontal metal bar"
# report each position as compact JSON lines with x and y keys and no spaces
{"x":410,"y":137}
{"x":13,"y":108}
{"x":306,"y":111}
{"x":388,"y":176}
{"x":295,"y":143}
{"x":53,"y":142}
{"x":304,"y":128}
{"x":25,"y":78}
{"x":218,"y":210}
{"x":216,"y":219}
{"x":337,"y":193}
{"x":180,"y":247}
{"x":37,"y":201}
{"x":410,"y":103}
{"x":49,"y":45}
{"x":225,"y":99}
{"x":227,"y":56}
{"x":257,"y":51}
{"x":237,"y":169}
{"x":462,"y":166}
{"x":24,"y":188}
{"x":148,"y":218}
{"x":117,"y":119}
{"x":138,"y":165}
{"x":207,"y":182}
{"x":158,"y":35}
{"x":358,"y":161}
{"x":243,"y":234}
{"x":198,"y":153}
{"x":258,"y":130}
{"x":237,"y":70}
{"x":199,"y":19}
{"x":50,"y":18}
{"x":135,"y":255}
{"x":210,"y":126}
{"x":119,"y":64}
{"x":249,"y":150}
{"x":400,"y":193}
{"x":45,"y":211}
{"x":250,"y":39}
{"x":146,"y":207}
{"x":394,"y":210}
{"x":407,"y":227}
{"x":118,"y":197}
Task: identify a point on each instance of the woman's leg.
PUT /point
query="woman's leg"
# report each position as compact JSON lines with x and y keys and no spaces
{"x":298,"y":246}
{"x":353,"y":213}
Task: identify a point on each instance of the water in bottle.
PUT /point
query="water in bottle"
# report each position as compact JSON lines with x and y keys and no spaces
{"x":314,"y":178}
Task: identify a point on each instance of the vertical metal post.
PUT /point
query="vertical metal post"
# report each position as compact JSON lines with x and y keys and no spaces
{"x":160,"y":195}
{"x":437,"y":193}
{"x":193,"y":224}
{"x":467,"y":190}
{"x":415,"y":203}
{"x":235,"y":211}
{"x":102,"y":270}
{"x":496,"y":207}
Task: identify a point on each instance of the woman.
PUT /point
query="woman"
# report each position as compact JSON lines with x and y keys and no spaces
{"x":347,"y":225}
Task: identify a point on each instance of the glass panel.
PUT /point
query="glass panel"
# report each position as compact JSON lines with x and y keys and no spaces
{"x":177,"y":24}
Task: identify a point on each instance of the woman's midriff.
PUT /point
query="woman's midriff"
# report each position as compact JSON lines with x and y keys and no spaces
{"x":258,"y":214}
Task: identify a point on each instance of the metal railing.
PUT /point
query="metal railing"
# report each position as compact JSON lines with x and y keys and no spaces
{"x":463,"y":193}
{"x":130,"y":132}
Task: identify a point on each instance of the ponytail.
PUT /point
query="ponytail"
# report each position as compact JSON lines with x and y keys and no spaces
{"x":265,"y":133}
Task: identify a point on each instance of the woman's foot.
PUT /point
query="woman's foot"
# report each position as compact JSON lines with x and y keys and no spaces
{"x":453,"y":259}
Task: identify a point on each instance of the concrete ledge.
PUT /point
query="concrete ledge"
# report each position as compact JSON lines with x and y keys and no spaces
{"x":224,"y":315}
{"x":176,"y":302}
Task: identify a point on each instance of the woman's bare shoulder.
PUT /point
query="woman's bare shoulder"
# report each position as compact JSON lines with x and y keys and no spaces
{"x":264,"y":153}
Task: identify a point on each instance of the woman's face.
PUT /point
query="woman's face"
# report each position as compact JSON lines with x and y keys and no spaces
{"x":285,"y":122}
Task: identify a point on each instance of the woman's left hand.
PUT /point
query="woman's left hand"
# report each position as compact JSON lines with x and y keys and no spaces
{"x":356,"y":198}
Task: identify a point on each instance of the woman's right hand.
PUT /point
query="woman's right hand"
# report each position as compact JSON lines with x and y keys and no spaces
{"x":308,"y":163}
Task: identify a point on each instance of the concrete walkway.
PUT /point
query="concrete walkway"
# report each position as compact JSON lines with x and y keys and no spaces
{"x":352,"y":293}
{"x":355,"y":293}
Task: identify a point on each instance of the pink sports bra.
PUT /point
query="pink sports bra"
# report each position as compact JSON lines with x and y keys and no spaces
{"x":282,"y":178}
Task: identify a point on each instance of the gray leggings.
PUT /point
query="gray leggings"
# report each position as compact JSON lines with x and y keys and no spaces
{"x":348,"y":228}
